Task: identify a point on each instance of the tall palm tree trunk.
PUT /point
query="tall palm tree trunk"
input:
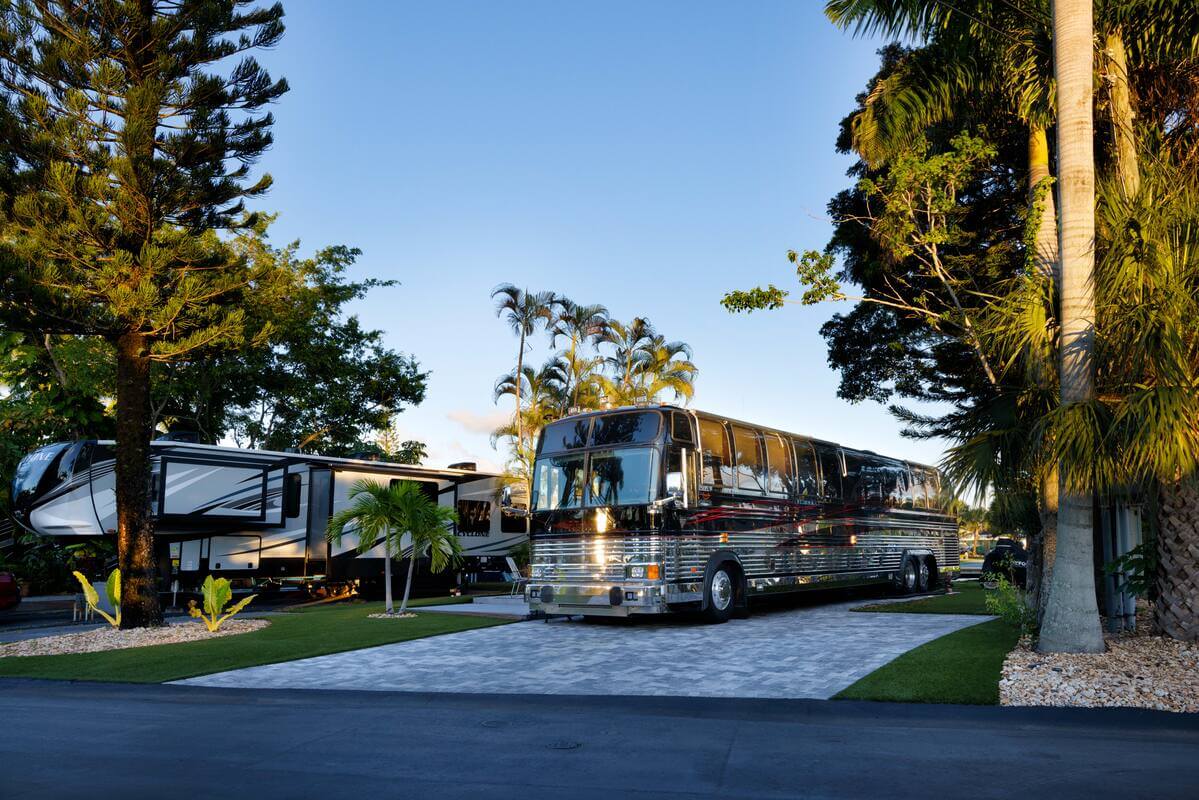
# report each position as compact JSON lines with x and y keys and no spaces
{"x":1046,"y":255}
{"x":520,"y":379}
{"x":388,"y":605}
{"x":1071,"y":623}
{"x":1119,"y":96}
{"x":1176,"y":611}
{"x":408,"y":583}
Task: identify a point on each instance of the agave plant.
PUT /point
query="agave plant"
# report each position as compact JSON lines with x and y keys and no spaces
{"x":112,"y":589}
{"x":217,"y":594}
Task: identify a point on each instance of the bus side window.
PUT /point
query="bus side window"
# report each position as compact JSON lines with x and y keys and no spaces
{"x":680,"y":428}
{"x":896,"y":487}
{"x":851,"y":484}
{"x":806,"y":479}
{"x":780,"y":472}
{"x":917,"y":483}
{"x":932,"y":486}
{"x":751,"y":472}
{"x":830,"y":474}
{"x":716,"y":464}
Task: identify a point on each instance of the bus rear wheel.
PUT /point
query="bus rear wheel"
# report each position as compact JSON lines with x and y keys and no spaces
{"x":924,"y":574}
{"x":909,"y":577}
{"x":720,"y":594}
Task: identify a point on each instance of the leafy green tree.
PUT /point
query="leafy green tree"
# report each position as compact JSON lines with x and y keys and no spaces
{"x":130,"y":133}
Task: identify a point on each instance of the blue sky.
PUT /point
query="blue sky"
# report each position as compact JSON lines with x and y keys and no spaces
{"x":647,"y":156}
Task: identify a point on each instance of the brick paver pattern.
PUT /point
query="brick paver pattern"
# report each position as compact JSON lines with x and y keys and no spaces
{"x":811,"y":652}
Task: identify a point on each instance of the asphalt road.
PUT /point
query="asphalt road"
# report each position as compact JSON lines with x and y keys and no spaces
{"x":97,"y":740}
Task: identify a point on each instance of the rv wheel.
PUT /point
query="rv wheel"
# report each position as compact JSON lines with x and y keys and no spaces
{"x":923,"y":575}
{"x":910,"y":579}
{"x":720,"y":593}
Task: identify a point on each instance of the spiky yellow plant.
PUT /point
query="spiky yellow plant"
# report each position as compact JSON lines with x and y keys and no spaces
{"x":217,"y":594}
{"x":112,"y":588}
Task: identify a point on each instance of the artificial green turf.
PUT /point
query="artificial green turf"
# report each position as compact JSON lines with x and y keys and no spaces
{"x":303,"y":633}
{"x":961,"y":667}
{"x":967,"y":598}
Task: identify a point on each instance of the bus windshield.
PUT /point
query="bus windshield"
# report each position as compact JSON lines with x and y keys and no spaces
{"x":599,"y":478}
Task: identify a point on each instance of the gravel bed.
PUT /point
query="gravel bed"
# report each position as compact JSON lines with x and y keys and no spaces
{"x":1141,"y":670}
{"x":107,"y":638}
{"x":397,"y":615}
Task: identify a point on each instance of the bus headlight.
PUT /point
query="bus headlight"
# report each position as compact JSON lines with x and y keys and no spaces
{"x":650,"y":572}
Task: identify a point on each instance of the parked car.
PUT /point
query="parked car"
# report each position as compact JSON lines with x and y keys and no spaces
{"x":10,"y":591}
{"x":1009,"y":559}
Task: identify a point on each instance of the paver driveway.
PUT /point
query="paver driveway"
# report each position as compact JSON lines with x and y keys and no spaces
{"x":811,"y":652}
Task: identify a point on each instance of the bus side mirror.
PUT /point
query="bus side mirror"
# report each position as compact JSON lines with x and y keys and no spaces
{"x":674,"y":485}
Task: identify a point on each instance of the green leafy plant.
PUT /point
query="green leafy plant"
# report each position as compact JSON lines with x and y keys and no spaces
{"x":217,"y":594}
{"x":112,"y":588}
{"x":1139,"y":568}
{"x":1010,"y":603}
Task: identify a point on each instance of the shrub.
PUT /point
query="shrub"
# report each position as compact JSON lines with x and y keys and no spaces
{"x":112,"y":588}
{"x":217,"y":594}
{"x":1010,"y":603}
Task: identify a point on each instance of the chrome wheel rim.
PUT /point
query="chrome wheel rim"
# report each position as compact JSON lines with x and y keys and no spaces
{"x":909,"y":576}
{"x":722,"y":590}
{"x":924,"y":573}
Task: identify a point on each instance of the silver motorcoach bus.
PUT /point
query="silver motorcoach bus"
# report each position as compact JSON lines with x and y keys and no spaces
{"x":659,"y":509}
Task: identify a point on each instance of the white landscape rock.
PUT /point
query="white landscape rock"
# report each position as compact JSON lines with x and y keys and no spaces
{"x":100,"y":639}
{"x":1137,"y":671}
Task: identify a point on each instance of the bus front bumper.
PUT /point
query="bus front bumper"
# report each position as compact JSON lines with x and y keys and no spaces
{"x":609,"y":600}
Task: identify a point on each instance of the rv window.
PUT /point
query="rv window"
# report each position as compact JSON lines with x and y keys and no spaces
{"x":917,"y":491}
{"x":558,"y":482}
{"x":717,"y":465}
{"x":291,"y":501}
{"x":680,"y":428}
{"x":779,"y":474}
{"x":872,"y":480}
{"x":806,"y":485}
{"x":751,"y":472}
{"x":474,"y":517}
{"x":632,"y":428}
{"x":900,"y":493}
{"x":428,"y":488}
{"x":851,"y":483}
{"x":830,"y":473}
{"x":565,"y":435}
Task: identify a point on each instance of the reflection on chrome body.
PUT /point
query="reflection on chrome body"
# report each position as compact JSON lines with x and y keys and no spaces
{"x":651,"y":555}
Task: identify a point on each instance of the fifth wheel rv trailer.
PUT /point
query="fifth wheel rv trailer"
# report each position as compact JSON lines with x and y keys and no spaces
{"x":239,"y":513}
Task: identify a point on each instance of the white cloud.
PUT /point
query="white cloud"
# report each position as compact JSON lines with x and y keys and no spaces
{"x":478,"y":423}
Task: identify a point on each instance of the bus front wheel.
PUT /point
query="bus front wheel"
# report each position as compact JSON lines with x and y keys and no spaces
{"x":720,"y":594}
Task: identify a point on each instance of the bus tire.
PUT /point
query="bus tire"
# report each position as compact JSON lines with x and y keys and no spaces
{"x":720,"y":593}
{"x":923,"y":575}
{"x":909,"y":576}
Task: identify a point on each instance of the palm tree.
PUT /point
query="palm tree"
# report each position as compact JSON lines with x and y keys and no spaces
{"x":580,"y":325}
{"x":1071,"y":623}
{"x":373,"y":519}
{"x":428,"y":526}
{"x":543,"y":391}
{"x":382,"y":514}
{"x":666,"y":367}
{"x":523,"y":311}
{"x":629,"y":343}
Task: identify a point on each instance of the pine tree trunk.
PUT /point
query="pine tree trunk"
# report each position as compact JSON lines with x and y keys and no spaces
{"x":408,"y":583}
{"x":135,"y":528}
{"x":1071,"y":622}
{"x":1177,"y":609}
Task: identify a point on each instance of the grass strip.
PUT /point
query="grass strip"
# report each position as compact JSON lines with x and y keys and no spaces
{"x":314,"y":631}
{"x":967,"y":598}
{"x":960,"y":667}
